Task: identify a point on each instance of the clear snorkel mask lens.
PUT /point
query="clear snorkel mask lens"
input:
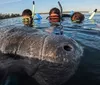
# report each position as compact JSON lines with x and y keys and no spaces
{"x":76,"y":21}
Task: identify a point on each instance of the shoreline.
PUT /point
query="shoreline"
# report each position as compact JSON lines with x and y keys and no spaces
{"x":68,"y":12}
{"x":6,"y":16}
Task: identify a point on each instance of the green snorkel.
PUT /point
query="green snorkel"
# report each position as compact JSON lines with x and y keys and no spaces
{"x":92,"y":15}
{"x":33,"y":10}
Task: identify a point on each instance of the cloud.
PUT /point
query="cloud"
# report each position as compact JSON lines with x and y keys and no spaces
{"x":8,"y":1}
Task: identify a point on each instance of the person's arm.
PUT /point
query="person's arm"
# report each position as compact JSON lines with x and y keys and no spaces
{"x":66,"y":15}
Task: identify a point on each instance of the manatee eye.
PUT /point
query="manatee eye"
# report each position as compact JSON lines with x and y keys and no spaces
{"x":67,"y":48}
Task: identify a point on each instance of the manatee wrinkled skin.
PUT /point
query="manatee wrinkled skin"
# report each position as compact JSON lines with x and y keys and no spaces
{"x":50,"y":59}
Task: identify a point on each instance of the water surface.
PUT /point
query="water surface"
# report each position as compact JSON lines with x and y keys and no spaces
{"x":87,"y":35}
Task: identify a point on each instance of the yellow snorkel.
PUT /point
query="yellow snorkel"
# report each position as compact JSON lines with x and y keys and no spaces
{"x":33,"y":10}
{"x":92,"y":15}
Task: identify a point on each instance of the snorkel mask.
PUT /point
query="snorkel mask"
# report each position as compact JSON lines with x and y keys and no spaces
{"x":54,"y":18}
{"x":27,"y":20}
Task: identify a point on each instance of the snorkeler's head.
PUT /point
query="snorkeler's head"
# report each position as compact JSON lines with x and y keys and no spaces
{"x":27,"y":12}
{"x":77,"y":17}
{"x":27,"y":17}
{"x":54,"y":15}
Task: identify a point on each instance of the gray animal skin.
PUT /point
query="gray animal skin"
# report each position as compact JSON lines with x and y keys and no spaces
{"x":50,"y":59}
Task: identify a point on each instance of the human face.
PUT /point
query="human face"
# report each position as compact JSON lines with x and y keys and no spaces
{"x":26,"y":20}
{"x":54,"y":17}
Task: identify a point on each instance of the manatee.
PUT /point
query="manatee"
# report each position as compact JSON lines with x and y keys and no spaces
{"x":49,"y":59}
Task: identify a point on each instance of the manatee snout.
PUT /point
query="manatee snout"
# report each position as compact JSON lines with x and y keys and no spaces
{"x":49,"y":59}
{"x":60,"y":49}
{"x":61,"y":56}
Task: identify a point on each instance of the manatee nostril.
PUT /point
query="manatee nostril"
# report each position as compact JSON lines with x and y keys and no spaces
{"x":67,"y":47}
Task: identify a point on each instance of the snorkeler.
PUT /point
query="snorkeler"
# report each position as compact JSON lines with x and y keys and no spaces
{"x":55,"y":21}
{"x":27,"y":17}
{"x":77,"y":17}
{"x":54,"y":15}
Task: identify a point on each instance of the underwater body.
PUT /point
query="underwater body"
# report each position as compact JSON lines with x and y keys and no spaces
{"x":87,"y":35}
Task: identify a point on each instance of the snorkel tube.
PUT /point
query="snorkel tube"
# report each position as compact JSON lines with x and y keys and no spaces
{"x":33,"y":10}
{"x":61,"y":10}
{"x":92,"y":15}
{"x":34,"y":15}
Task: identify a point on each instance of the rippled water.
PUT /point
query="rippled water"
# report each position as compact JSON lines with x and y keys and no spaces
{"x":87,"y":35}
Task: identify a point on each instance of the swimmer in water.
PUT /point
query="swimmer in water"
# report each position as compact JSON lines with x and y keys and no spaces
{"x":55,"y":19}
{"x":27,"y":17}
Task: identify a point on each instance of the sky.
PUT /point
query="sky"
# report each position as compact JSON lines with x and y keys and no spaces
{"x":17,"y":6}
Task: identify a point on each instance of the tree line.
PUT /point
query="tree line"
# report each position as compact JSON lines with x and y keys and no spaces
{"x":5,"y":16}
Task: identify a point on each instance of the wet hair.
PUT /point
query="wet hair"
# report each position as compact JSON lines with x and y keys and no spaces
{"x":77,"y":16}
{"x":27,"y":12}
{"x":55,"y":10}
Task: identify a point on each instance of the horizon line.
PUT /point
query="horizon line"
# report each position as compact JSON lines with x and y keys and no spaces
{"x":48,"y":12}
{"x":68,"y":12}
